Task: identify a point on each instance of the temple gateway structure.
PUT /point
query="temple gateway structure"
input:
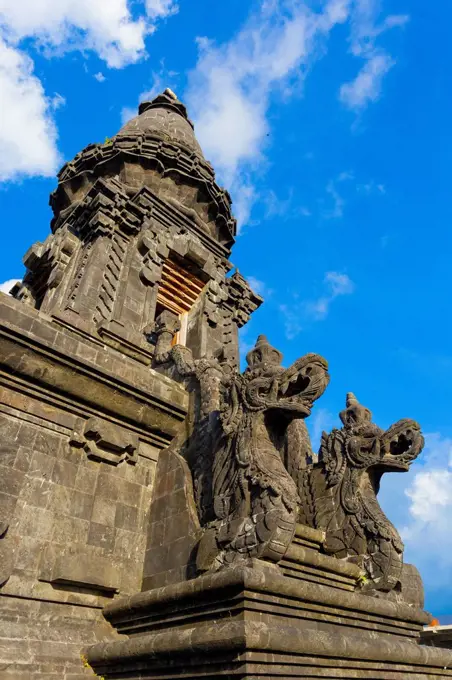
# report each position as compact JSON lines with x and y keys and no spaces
{"x":163,"y":514}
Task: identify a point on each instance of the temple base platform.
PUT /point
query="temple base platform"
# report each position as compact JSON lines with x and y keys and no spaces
{"x":253,"y":621}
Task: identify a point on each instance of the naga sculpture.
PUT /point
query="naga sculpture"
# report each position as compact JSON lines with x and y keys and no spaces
{"x":255,"y":499}
{"x":255,"y":476}
{"x":245,"y":426}
{"x":339,"y":492}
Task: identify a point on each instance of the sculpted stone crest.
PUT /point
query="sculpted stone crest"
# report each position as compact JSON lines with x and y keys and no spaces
{"x":339,"y":493}
{"x":255,"y":498}
{"x":255,"y":475}
{"x":247,"y":500}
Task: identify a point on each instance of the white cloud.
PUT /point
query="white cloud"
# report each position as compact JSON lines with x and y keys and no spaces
{"x":394,"y":20}
{"x":321,"y":420}
{"x":367,"y":85}
{"x":99,"y":77}
{"x":7,"y":285}
{"x":160,"y":79}
{"x":283,"y":208}
{"x":106,"y":27}
{"x":259,"y":287}
{"x":333,"y":206}
{"x":230,"y":89}
{"x":276,"y":206}
{"x":157,"y":9}
{"x":336,"y":12}
{"x":337,"y":284}
{"x":302,"y":312}
{"x":57,"y":101}
{"x":430,"y":495}
{"x":28,"y":135}
{"x":431,"y":488}
{"x":245,"y":345}
{"x":371,"y":187}
{"x":346,"y":174}
{"x":338,"y":202}
{"x":365,"y":29}
{"x":244,"y":198}
{"x":159,"y":84}
{"x":127,"y":113}
{"x":293,"y":318}
{"x":340,"y":284}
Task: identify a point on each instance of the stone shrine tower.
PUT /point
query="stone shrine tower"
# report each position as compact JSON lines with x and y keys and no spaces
{"x":141,"y":226}
{"x":163,"y":515}
{"x":140,"y":239}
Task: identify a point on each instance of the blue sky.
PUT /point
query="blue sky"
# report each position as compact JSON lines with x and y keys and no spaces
{"x":330,"y":124}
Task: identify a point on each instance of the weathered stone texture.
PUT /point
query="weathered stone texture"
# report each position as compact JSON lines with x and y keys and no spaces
{"x":249,"y":621}
{"x":41,"y":640}
{"x":339,"y":496}
{"x":437,"y":636}
{"x":64,"y":499}
{"x":83,"y":413}
{"x":173,"y":529}
{"x":135,"y":456}
{"x":303,"y":609}
{"x":80,"y":432}
{"x":76,"y":536}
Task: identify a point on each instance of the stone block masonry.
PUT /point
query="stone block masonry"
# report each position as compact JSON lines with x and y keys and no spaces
{"x":163,"y":514}
{"x":73,"y":524}
{"x":84,"y":407}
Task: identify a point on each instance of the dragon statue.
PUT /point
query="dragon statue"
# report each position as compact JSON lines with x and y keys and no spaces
{"x":339,"y":492}
{"x":245,"y":426}
{"x":255,"y":498}
{"x":254,"y":474}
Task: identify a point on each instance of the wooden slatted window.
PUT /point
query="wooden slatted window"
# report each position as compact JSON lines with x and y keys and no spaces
{"x":178,"y":291}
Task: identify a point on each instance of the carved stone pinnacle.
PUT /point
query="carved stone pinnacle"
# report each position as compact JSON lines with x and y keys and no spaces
{"x":263,"y":355}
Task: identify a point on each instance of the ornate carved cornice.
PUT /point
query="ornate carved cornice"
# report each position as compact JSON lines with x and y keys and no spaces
{"x":168,"y":157}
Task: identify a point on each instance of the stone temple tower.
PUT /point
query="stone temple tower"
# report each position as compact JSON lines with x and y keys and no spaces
{"x":139,"y":249}
{"x":141,"y":226}
{"x":162,"y":514}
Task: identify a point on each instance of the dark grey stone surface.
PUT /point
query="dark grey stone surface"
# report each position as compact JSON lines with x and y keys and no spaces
{"x":83,"y":415}
{"x":437,"y":636}
{"x":250,"y":621}
{"x":136,"y":457}
{"x":339,"y":495}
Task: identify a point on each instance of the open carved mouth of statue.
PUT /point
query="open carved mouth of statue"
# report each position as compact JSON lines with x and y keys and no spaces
{"x":401,"y":445}
{"x":293,"y":389}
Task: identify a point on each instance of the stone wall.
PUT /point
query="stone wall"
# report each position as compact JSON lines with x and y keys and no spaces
{"x":84,"y":407}
{"x":71,"y":514}
{"x":173,"y":526}
{"x":80,"y":435}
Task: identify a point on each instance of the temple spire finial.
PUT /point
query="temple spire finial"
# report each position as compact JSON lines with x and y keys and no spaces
{"x":170,"y":93}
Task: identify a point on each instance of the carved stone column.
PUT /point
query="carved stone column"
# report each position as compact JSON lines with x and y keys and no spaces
{"x":165,"y":327}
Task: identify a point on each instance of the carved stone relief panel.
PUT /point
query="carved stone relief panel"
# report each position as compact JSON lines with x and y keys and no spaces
{"x":106,"y":442}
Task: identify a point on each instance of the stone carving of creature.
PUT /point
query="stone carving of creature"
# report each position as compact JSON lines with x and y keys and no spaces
{"x":247,"y":437}
{"x":339,"y":493}
{"x":255,"y":499}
